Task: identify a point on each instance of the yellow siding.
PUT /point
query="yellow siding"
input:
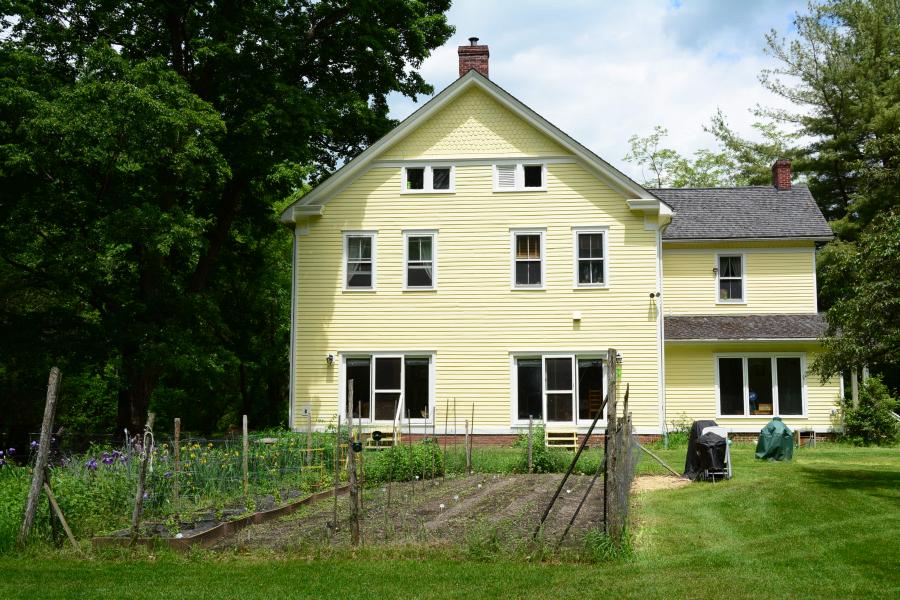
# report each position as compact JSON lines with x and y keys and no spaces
{"x":474,"y":125}
{"x":777,"y":280}
{"x":691,"y":386}
{"x":474,"y":320}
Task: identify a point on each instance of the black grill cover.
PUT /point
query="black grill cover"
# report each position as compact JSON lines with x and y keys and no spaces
{"x":711,"y":448}
{"x":692,"y":463}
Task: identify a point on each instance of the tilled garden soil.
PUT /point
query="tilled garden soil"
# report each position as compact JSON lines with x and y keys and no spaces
{"x":499,"y":509}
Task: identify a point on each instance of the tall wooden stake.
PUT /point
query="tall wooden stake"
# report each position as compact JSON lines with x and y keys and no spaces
{"x":309,"y":436}
{"x":62,"y":518}
{"x":467,"y":450}
{"x":334,"y":469}
{"x":177,"y":456}
{"x":530,"y":440}
{"x":37,"y":478}
{"x":472,"y":439}
{"x":609,"y":440}
{"x":354,"y":490}
{"x":245,"y":466}
{"x":146,"y":450}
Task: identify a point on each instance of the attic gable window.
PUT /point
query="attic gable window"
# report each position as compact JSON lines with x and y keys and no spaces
{"x":520,"y":177}
{"x":428,"y":179}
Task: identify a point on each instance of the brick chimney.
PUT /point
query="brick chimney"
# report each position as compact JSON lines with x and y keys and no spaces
{"x":473,"y":56}
{"x":781,"y":174}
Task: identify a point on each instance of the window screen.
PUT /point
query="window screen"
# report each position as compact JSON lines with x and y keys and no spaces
{"x":415,"y":178}
{"x":731,"y":386}
{"x":528,"y":377}
{"x":415,"y":390}
{"x":759,"y":384}
{"x":790,"y":386}
{"x":534,"y":176}
{"x":440,"y":178}
{"x":590,"y":258}
{"x":358,"y":371}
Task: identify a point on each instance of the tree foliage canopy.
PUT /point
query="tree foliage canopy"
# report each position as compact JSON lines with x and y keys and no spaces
{"x":144,"y":148}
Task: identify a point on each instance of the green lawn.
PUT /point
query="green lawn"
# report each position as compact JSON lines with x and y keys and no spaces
{"x":825,"y":525}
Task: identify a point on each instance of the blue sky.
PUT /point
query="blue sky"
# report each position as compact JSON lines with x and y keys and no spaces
{"x":604,"y":70}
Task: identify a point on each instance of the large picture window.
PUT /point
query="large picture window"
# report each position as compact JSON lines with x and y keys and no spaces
{"x":760,"y":385}
{"x":558,"y":389}
{"x":385,"y":386}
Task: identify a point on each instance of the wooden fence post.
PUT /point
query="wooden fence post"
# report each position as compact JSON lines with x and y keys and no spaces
{"x":246,"y":459}
{"x":354,"y":491}
{"x":609,"y":441}
{"x":309,"y":436}
{"x":37,"y":479}
{"x":177,"y":457}
{"x":530,"y":442}
{"x":468,"y":450}
{"x":142,"y":477}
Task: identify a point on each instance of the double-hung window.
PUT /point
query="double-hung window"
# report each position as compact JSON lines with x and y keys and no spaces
{"x":528,"y":258}
{"x":420,"y":270}
{"x":760,"y":385}
{"x":520,"y":177}
{"x":428,"y":179}
{"x":382,"y":387}
{"x":359,"y":260}
{"x":730,"y":275}
{"x":590,"y":256}
{"x":558,"y":388}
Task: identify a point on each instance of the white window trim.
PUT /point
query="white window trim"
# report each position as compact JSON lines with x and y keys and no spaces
{"x":433,"y":234}
{"x":743,"y":257}
{"x":514,"y":357}
{"x":576,"y":231}
{"x":513,"y":232}
{"x":374,"y":236}
{"x":520,"y":176}
{"x":776,"y":409}
{"x":428,"y":180}
{"x":342,"y":386}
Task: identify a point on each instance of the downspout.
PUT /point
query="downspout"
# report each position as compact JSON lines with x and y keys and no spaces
{"x":661,"y":337}
{"x":293,"y":357}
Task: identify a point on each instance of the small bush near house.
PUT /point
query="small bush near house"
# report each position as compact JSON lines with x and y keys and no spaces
{"x":405,"y":462}
{"x":871,"y":422}
{"x":543,"y":459}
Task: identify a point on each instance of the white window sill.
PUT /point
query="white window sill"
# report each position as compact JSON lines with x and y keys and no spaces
{"x":590,"y":287}
{"x":507,"y":191}
{"x":419,"y":289}
{"x":727,"y":302}
{"x":426,"y":192}
{"x":359,"y":290}
{"x":520,"y":288}
{"x":768,"y":417}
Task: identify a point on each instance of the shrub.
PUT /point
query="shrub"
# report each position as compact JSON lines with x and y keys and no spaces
{"x":405,"y":462}
{"x":543,"y":459}
{"x":871,"y":421}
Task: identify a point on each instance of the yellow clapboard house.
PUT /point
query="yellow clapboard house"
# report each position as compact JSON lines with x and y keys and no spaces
{"x":479,"y":261}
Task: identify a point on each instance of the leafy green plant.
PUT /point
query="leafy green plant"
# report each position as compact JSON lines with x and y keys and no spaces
{"x":871,"y":422}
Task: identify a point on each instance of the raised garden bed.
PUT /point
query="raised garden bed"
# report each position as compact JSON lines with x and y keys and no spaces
{"x":207,"y":532}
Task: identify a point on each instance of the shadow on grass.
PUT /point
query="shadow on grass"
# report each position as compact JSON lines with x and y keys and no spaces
{"x":861,"y":479}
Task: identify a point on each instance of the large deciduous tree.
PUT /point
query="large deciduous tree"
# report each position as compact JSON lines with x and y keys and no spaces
{"x":143,"y":148}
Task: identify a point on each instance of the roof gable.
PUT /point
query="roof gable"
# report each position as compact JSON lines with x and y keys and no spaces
{"x":474,"y":125}
{"x":637,"y":197}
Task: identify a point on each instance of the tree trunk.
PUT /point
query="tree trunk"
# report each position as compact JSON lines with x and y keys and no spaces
{"x":134,"y":399}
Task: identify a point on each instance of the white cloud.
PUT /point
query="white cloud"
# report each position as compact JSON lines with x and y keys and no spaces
{"x":603,"y":73}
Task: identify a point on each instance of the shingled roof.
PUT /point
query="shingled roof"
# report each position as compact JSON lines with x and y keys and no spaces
{"x":752,"y":212}
{"x":744,"y":327}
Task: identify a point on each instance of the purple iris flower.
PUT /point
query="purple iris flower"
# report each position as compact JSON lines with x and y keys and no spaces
{"x":1,"y":453}
{"x":123,"y":459}
{"x":167,"y":474}
{"x":108,"y":459}
{"x":11,"y":452}
{"x":91,"y":464}
{"x":34,"y":444}
{"x":2,"y":462}
{"x":146,"y":495}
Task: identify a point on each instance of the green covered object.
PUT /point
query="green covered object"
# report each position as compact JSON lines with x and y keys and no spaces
{"x":776,"y":441}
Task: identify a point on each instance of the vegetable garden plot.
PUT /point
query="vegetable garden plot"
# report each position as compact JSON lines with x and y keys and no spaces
{"x":451,"y":512}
